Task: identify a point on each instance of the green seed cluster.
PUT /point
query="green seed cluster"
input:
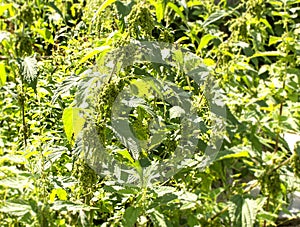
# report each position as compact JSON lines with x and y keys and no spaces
{"x":270,"y":183}
{"x":107,"y":95}
{"x":24,"y":46}
{"x":166,"y":36}
{"x":85,"y":174}
{"x":26,"y":14}
{"x":255,"y":6}
{"x":141,"y":22}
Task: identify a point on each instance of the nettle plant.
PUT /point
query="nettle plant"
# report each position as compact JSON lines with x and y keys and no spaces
{"x":250,"y":48}
{"x":254,"y":54}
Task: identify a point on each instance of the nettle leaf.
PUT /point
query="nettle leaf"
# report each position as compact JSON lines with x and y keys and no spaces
{"x":176,"y":111}
{"x":249,"y":211}
{"x":2,"y":74}
{"x":29,"y":69}
{"x":245,"y":211}
{"x":131,"y":215}
{"x":214,"y":17}
{"x":104,"y":5}
{"x":205,"y":40}
{"x":19,"y":182}
{"x":16,"y":208}
{"x":157,"y":218}
{"x":65,"y":87}
{"x":93,"y":52}
{"x":177,"y":10}
{"x":70,"y":206}
{"x":46,"y":34}
{"x":73,"y":123}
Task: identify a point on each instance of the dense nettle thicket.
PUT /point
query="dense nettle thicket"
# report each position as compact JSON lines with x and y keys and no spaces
{"x":48,"y":50}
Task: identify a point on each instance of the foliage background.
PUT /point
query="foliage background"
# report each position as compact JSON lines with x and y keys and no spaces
{"x":252,"y":49}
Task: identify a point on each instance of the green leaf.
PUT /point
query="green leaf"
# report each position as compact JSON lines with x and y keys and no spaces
{"x":125,"y":154}
{"x":214,"y":17}
{"x":176,"y":111}
{"x":16,"y":208}
{"x":73,"y":123}
{"x":104,"y":5}
{"x":268,"y":54}
{"x":4,"y":7}
{"x":205,"y":40}
{"x":124,"y":9}
{"x":131,"y":215}
{"x":93,"y":52}
{"x":160,"y":9}
{"x":157,"y":218}
{"x":266,"y":23}
{"x":267,"y":216}
{"x":29,"y":69}
{"x":2,"y":74}
{"x":274,"y":39}
{"x":177,"y":10}
{"x":61,"y":193}
{"x":46,"y":34}
{"x":249,"y":211}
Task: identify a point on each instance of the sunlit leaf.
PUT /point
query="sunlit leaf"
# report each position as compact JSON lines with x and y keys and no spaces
{"x":214,"y":17}
{"x":103,"y":6}
{"x":205,"y":40}
{"x":93,"y":52}
{"x":177,"y":10}
{"x":176,"y":111}
{"x":73,"y":123}
{"x":16,"y":208}
{"x":2,"y":74}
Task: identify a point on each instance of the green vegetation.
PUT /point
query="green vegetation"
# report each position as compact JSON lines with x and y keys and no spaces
{"x":251,"y":49}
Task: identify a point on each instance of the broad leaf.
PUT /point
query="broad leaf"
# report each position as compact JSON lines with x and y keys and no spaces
{"x":249,"y":211}
{"x":73,"y":123}
{"x":16,"y":208}
{"x":176,"y":111}
{"x":131,"y":215}
{"x":205,"y":40}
